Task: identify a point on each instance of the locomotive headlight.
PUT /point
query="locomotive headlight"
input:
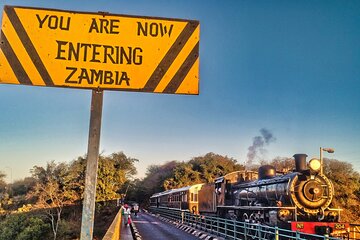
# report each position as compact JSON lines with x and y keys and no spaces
{"x":315,"y":165}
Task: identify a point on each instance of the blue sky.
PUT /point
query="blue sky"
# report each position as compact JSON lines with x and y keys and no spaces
{"x":292,"y":67}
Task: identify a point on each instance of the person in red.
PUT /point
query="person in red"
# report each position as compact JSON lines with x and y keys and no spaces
{"x":126,"y":211}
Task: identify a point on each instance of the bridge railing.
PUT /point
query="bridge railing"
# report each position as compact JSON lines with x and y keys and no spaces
{"x":232,"y":229}
{"x":113,"y":233}
{"x":355,"y":231}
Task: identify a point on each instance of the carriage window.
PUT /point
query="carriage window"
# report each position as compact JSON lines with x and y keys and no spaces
{"x":192,"y":197}
{"x":196,"y":190}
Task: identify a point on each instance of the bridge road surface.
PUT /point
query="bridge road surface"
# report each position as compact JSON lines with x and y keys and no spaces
{"x":125,"y":232}
{"x":152,"y":228}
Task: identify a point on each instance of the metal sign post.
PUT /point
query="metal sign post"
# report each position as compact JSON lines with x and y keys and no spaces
{"x":87,"y":222}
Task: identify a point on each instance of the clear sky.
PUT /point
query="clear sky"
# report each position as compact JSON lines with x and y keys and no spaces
{"x":291,"y":67}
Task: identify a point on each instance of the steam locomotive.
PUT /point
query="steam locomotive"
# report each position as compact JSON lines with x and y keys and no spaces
{"x":299,"y":200}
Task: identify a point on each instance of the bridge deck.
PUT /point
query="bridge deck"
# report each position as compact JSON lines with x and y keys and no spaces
{"x":151,"y":228}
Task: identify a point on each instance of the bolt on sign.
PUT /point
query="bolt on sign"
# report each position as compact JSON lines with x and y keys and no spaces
{"x":46,"y":47}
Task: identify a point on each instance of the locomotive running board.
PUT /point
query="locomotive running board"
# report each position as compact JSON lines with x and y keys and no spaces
{"x":255,"y":207}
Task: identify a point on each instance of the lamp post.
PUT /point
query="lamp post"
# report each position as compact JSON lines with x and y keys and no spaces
{"x":329,"y":150}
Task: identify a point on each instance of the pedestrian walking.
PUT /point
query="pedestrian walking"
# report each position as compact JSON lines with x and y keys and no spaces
{"x":126,"y":211}
{"x":136,"y":209}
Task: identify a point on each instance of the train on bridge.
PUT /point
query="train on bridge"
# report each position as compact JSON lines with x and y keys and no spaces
{"x":299,"y":200}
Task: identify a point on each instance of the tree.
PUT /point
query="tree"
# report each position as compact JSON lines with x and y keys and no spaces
{"x":52,"y":191}
{"x":124,"y":166}
{"x":201,"y":169}
{"x":2,"y":182}
{"x":213,"y":165}
{"x":183,"y":175}
{"x":153,"y":181}
{"x":107,"y":184}
{"x":283,"y":164}
{"x":157,"y":174}
{"x":346,"y":183}
{"x":76,"y":175}
{"x":113,"y":172}
{"x":3,"y":195}
{"x":23,"y":186}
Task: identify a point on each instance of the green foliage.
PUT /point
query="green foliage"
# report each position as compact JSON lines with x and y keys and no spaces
{"x":2,"y":182}
{"x":346,"y":183}
{"x":113,"y":171}
{"x":22,"y":227}
{"x":201,"y":169}
{"x":213,"y":165}
{"x":77,"y":176}
{"x":53,"y":191}
{"x":60,"y":184}
{"x":22,"y":187}
{"x":107,"y":183}
{"x":53,"y":188}
{"x":156,"y":176}
{"x":283,"y":164}
{"x":67,"y":231}
{"x":64,"y":183}
{"x":5,"y":201}
{"x":183,"y":175}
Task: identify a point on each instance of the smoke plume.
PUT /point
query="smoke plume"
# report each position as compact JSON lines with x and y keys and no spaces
{"x":258,"y":146}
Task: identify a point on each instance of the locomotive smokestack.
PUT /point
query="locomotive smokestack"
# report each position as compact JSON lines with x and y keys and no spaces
{"x":300,"y":162}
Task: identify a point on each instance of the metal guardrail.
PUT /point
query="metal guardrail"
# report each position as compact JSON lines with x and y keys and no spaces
{"x":355,"y":231}
{"x":232,"y":229}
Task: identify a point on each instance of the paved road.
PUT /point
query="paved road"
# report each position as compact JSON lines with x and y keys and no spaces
{"x":151,"y":228}
{"x":125,"y":232}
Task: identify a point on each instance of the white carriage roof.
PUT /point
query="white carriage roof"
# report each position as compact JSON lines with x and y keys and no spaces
{"x":171,"y":191}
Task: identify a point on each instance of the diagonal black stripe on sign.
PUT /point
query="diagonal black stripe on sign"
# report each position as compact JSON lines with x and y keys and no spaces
{"x":26,"y":41}
{"x":183,"y":71}
{"x":14,"y":62}
{"x":170,"y":56}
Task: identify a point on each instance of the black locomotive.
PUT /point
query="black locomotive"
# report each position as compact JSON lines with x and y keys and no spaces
{"x":299,"y":200}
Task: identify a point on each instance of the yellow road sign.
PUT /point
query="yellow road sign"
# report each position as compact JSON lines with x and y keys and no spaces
{"x":46,"y":47}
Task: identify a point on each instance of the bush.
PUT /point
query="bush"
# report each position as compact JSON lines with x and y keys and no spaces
{"x":22,"y":227}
